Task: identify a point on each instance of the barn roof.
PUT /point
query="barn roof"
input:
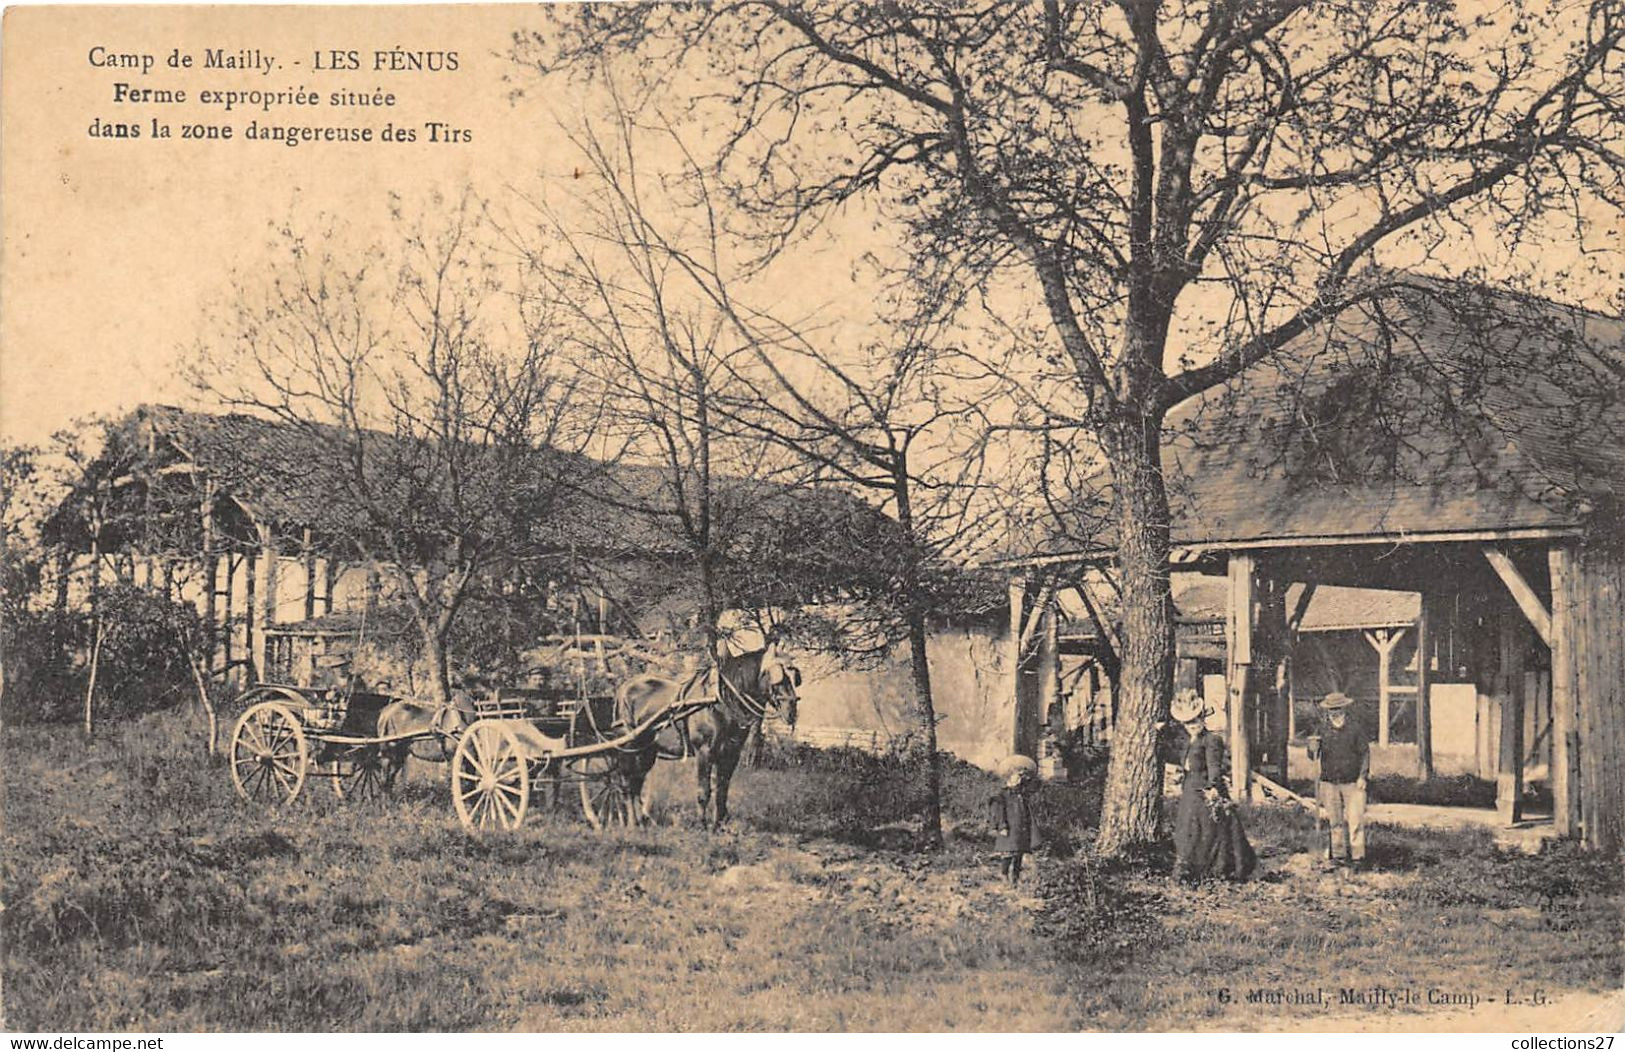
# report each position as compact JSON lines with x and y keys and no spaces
{"x":1444,"y":408}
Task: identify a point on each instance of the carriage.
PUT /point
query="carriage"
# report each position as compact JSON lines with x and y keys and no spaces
{"x":551,"y":733}
{"x":289,"y":734}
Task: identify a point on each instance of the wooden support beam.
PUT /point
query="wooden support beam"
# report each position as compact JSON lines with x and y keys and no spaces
{"x":1239,"y":627}
{"x":1022,"y":682}
{"x":1509,"y":769}
{"x":1048,"y":675}
{"x":1522,"y":593}
{"x":1435,"y":627}
{"x":265,"y":615}
{"x":310,"y":575}
{"x":1384,"y":642}
{"x":1301,"y":607}
{"x":1598,"y":641}
{"x":210,"y":567}
{"x":1029,"y":631}
{"x":1565,"y":738}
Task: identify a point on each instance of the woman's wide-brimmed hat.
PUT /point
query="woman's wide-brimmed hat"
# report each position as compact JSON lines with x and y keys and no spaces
{"x":1188,"y":707}
{"x":1018,"y":767}
{"x":1336,"y":700}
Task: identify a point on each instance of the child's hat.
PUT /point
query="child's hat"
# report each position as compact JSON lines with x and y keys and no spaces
{"x":1017,"y":767}
{"x":1336,"y":700}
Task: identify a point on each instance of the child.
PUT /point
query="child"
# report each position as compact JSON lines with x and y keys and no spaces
{"x":1010,"y":813}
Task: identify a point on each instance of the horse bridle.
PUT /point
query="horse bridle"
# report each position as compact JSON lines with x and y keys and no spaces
{"x":760,"y":710}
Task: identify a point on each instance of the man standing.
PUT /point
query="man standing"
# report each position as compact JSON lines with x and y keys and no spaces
{"x":1345,"y":764}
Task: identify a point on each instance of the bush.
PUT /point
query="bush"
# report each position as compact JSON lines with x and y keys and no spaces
{"x":142,"y":666}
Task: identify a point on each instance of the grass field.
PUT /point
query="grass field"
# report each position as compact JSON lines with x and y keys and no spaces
{"x":139,"y":894}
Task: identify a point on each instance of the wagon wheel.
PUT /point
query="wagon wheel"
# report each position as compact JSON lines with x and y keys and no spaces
{"x":268,"y":755}
{"x":604,"y":797}
{"x":490,"y":777}
{"x":359,"y":777}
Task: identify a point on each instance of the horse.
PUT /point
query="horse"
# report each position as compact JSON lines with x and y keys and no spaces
{"x":747,"y":689}
{"x":433,"y":726}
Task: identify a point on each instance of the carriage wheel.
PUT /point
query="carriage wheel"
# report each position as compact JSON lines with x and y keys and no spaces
{"x":603,"y":791}
{"x":359,"y":777}
{"x":268,"y":755}
{"x":490,"y":778}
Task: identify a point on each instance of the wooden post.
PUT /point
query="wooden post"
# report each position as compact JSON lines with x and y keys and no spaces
{"x":251,"y":592}
{"x":1270,"y":649}
{"x":1026,"y":614}
{"x":1239,"y":653}
{"x":1565,"y":740}
{"x":1431,"y":625}
{"x":210,"y":569}
{"x":1048,"y":673}
{"x":1509,"y":771}
{"x":310,"y":575}
{"x":329,"y":581}
{"x":1384,"y":643}
{"x":1018,"y":603}
{"x":265,"y":614}
{"x":1598,"y":641}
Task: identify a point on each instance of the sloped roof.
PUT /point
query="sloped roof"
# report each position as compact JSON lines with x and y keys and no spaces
{"x":287,"y":476}
{"x":1334,"y":607}
{"x":1203,"y":597}
{"x":1446,"y":408}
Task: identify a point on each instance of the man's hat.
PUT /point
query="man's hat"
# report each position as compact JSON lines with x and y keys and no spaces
{"x":1336,"y":700}
{"x":1188,"y":707}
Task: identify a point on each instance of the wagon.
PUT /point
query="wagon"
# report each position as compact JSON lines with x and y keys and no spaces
{"x":290,"y":734}
{"x":542,"y":739}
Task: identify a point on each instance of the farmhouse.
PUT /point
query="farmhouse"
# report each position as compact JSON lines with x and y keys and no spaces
{"x":1456,"y":445}
{"x":249,"y":519}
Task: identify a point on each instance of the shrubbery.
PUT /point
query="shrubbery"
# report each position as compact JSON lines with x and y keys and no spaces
{"x":142,"y":665}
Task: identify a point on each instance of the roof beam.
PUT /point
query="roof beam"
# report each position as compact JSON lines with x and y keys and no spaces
{"x":1522,"y":593}
{"x":1186,"y":553}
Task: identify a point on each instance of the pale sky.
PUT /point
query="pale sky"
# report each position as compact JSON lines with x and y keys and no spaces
{"x":113,"y":248}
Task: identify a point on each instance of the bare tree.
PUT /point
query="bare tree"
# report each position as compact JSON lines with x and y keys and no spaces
{"x":1187,"y":186}
{"x":422,"y":378}
{"x":878,"y":420}
{"x":664,"y":363}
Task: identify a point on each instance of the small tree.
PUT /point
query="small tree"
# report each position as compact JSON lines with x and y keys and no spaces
{"x":426,"y":390}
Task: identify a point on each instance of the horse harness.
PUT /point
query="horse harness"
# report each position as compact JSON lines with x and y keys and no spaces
{"x":728,"y":693}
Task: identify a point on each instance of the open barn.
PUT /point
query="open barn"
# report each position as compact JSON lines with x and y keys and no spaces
{"x":1458,"y":445}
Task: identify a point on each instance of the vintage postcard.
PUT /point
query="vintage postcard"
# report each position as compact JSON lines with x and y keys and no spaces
{"x":1065,"y":516}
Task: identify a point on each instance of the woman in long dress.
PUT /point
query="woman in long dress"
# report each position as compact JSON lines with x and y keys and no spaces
{"x":1209,"y":841}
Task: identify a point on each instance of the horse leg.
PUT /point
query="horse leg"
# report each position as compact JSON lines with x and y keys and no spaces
{"x":394,"y":761}
{"x":728,"y":753}
{"x":702,"y":757}
{"x":635,"y":772}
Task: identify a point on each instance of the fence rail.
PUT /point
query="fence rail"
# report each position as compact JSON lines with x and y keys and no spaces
{"x":834,"y":737}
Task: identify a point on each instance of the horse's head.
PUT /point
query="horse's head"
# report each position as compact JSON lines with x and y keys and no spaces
{"x":456,"y":717}
{"x":778,"y":683}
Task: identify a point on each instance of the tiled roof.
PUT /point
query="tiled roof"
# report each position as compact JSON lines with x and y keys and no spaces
{"x":1449,"y":409}
{"x":1334,"y":607}
{"x":1200,"y":597}
{"x":288,"y":476}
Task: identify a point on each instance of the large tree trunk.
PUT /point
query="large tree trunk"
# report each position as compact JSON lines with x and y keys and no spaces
{"x":931,"y":828}
{"x":434,"y":649}
{"x":1133,"y":795}
{"x":919,"y":660}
